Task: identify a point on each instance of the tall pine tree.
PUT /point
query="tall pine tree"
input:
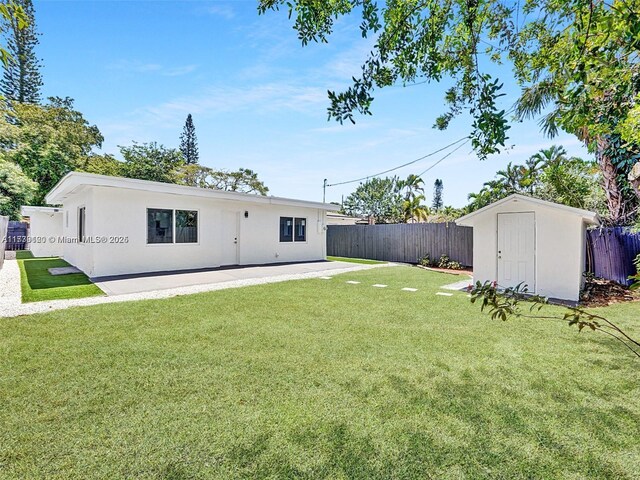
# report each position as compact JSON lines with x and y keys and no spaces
{"x":437,"y":195}
{"x":189,"y":142}
{"x":22,"y":80}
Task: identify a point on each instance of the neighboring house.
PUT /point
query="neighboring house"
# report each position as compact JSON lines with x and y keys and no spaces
{"x":335,"y":218}
{"x":525,"y":240}
{"x":115,"y":226}
{"x":45,"y":230}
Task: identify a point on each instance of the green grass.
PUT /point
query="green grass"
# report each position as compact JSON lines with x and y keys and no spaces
{"x":315,"y":379}
{"x":355,"y":260}
{"x":37,"y":284}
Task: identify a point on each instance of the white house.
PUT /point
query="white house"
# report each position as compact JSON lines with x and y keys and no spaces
{"x":115,"y":226}
{"x":523,"y":239}
{"x":45,"y":228}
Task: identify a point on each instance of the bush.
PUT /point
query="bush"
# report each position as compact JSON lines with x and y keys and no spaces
{"x":636,"y":277}
{"x":444,"y":262}
{"x":425,"y":261}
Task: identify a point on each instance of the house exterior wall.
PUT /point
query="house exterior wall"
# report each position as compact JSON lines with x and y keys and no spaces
{"x":120,"y":215}
{"x":77,"y":254}
{"x":45,"y":230}
{"x":560,"y":246}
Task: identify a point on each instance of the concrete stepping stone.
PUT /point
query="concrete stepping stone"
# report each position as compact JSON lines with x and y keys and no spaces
{"x":326,"y":278}
{"x":352,"y":282}
{"x":407,"y":289}
{"x":63,"y":270}
{"x":379,"y":285}
{"x":444,"y":294}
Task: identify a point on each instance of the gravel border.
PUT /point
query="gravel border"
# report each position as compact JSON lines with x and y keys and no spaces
{"x":11,"y":304}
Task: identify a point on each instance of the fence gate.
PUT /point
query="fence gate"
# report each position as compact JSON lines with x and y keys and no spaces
{"x":403,"y":242}
{"x":17,"y":236}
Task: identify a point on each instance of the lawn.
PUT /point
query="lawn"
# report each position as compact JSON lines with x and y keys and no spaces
{"x":315,"y":379}
{"x":37,"y":284}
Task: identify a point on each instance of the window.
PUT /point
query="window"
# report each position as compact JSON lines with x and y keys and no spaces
{"x":159,"y":225}
{"x":186,"y":226}
{"x":301,"y":230}
{"x":81,"y":224}
{"x":286,"y":229}
{"x":293,"y":229}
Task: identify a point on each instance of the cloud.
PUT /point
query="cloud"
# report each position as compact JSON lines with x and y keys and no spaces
{"x":222,"y":10}
{"x":136,"y":66}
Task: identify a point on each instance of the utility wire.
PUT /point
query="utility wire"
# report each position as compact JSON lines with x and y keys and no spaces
{"x":408,"y":163}
{"x":448,"y":154}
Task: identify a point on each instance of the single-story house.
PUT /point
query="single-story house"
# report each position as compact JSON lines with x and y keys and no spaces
{"x":45,"y":230}
{"x":335,"y":218}
{"x":540,"y":244}
{"x":117,"y":226}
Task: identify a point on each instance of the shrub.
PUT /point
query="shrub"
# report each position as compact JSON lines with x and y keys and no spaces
{"x":636,"y":277}
{"x":425,"y":261}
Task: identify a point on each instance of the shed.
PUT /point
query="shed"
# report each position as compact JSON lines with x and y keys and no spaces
{"x":118,"y":226}
{"x":521,"y":239}
{"x":45,"y":230}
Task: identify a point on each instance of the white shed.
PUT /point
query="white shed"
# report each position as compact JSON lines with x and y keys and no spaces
{"x":520,"y":239}
{"x":45,"y":230}
{"x":118,"y":226}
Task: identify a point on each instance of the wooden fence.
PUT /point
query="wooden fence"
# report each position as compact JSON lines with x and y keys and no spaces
{"x":17,"y":236}
{"x":611,"y":252}
{"x":403,"y":242}
{"x":4,"y":224}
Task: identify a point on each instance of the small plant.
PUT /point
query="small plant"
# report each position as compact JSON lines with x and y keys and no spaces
{"x":425,"y":261}
{"x":446,"y":262}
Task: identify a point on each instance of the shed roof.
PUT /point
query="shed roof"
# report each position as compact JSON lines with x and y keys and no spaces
{"x":586,"y":215}
{"x":73,"y":182}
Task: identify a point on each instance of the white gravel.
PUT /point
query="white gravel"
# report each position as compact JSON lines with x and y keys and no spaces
{"x":11,"y":305}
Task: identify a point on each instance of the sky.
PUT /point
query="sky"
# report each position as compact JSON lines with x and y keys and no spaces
{"x":258,"y":98}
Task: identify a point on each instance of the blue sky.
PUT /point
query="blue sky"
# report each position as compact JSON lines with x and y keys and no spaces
{"x":258,"y":98}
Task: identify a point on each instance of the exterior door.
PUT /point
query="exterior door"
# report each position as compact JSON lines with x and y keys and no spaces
{"x":230,"y":238}
{"x":517,"y":250}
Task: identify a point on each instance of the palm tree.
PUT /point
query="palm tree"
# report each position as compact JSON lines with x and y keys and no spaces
{"x":413,"y":186}
{"x":413,"y":211}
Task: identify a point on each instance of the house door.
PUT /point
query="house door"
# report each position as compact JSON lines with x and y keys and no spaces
{"x":230,"y":238}
{"x":517,"y":250}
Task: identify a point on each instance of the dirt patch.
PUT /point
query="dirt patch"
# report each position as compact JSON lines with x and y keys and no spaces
{"x":447,"y":270}
{"x":599,"y":293}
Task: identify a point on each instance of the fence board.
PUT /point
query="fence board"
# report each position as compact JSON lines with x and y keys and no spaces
{"x":401,"y":242}
{"x":4,"y":225}
{"x":612,"y":252}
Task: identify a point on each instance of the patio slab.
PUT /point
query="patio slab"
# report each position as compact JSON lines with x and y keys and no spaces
{"x":128,"y":284}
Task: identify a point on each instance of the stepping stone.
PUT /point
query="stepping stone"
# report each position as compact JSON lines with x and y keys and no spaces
{"x":379,"y":285}
{"x":326,"y":278}
{"x":63,"y":270}
{"x":444,"y":294}
{"x":407,"y":289}
{"x":352,"y":282}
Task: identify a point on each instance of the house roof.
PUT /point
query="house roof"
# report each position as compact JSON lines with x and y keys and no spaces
{"x":73,"y":182}
{"x":587,"y":216}
{"x":28,"y":210}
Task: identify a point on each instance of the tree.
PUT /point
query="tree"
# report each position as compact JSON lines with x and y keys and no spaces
{"x":189,"y":142}
{"x":47,"y":141}
{"x":413,"y":210}
{"x":153,"y":162}
{"x":16,"y":189}
{"x":242,"y":180}
{"x":575,"y":61}
{"x":437,"y":195}
{"x":377,"y":199}
{"x":102,"y":165}
{"x":22,"y":80}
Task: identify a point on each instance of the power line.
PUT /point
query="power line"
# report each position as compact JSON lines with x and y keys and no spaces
{"x":448,"y":154}
{"x":405,"y":164}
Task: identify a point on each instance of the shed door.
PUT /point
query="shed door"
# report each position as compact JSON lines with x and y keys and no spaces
{"x":517,"y":250}
{"x":230,"y":238}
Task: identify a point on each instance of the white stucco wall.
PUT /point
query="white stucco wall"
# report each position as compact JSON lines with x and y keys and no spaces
{"x":77,"y":254}
{"x":560,"y":246}
{"x":119,"y":212}
{"x":45,"y":228}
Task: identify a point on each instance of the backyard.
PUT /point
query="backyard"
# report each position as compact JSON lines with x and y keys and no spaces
{"x":315,"y":379}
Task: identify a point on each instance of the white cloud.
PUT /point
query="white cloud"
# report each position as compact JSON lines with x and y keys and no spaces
{"x":136,"y":66}
{"x":222,"y":10}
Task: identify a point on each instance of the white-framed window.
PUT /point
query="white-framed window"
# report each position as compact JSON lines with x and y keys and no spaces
{"x":293,"y":229}
{"x":165,"y":225}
